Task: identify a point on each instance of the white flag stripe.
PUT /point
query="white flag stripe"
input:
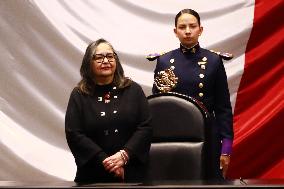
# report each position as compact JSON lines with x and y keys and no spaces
{"x":42,"y":44}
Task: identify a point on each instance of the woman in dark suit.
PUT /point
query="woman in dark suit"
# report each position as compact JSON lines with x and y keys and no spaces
{"x":107,"y":120}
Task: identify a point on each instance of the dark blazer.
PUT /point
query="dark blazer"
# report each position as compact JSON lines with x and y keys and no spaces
{"x":95,"y":130}
{"x":201,"y":74}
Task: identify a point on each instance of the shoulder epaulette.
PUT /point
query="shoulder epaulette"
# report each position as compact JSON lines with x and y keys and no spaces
{"x":224,"y":55}
{"x":154,"y":56}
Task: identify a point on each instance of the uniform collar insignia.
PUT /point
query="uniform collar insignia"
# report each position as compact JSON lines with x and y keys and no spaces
{"x":192,"y":50}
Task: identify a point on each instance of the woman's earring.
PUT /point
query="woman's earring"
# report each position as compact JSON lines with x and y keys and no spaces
{"x":199,"y":34}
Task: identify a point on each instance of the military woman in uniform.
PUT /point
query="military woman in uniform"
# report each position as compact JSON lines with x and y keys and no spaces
{"x":107,"y":120}
{"x":199,"y":73}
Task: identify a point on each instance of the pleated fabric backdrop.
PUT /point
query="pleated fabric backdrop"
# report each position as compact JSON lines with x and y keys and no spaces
{"x":42,"y":45}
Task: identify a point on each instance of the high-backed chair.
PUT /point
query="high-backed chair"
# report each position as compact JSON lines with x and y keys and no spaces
{"x":178,"y":149}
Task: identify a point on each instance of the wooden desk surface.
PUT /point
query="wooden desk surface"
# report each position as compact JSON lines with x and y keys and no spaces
{"x":277,"y":183}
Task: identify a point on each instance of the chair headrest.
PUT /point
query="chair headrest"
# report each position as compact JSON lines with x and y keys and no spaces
{"x":177,"y":117}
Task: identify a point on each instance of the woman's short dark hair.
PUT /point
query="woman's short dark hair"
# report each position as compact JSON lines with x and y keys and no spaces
{"x":87,"y":83}
{"x":187,"y":11}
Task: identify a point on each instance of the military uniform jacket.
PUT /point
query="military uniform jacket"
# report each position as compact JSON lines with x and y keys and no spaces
{"x":201,"y":74}
{"x":101,"y":124}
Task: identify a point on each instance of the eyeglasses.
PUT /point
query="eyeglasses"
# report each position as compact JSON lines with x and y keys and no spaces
{"x":99,"y":58}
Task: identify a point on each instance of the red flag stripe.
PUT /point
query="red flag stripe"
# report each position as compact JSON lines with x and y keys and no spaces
{"x":259,"y":111}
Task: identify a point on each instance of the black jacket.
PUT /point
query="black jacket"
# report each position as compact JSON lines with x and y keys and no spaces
{"x":96,"y":129}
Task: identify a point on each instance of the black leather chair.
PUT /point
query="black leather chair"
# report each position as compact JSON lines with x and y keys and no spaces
{"x":178,"y":149}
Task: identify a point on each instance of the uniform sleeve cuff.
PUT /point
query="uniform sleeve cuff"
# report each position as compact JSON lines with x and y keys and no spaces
{"x":227,"y":146}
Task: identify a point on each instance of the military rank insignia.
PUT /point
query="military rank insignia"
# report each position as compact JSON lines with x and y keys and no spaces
{"x":166,"y":80}
{"x":154,"y":56}
{"x":225,"y":56}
